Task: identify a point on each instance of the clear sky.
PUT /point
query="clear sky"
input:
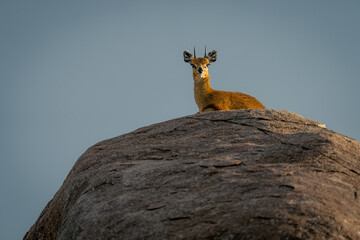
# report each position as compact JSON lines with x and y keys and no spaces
{"x":76,"y":72}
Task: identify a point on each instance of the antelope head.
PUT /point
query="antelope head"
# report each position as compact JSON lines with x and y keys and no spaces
{"x":200,"y":65}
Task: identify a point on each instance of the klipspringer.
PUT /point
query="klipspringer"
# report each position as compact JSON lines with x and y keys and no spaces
{"x":208,"y":99}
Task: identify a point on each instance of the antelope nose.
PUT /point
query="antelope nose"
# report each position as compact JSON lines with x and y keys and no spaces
{"x":200,"y":70}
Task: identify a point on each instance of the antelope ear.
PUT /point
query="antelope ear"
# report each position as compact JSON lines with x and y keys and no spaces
{"x":212,"y":56}
{"x":188,"y":56}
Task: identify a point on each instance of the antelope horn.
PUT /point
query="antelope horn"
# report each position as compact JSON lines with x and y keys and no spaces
{"x":194,"y":53}
{"x":205,"y":53}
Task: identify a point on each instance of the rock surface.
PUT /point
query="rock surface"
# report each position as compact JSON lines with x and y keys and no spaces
{"x":246,"y":174}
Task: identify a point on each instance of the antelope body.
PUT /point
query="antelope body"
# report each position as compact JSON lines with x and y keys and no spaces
{"x":208,"y":99}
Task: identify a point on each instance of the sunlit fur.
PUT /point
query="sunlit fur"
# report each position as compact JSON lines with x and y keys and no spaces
{"x":208,"y":99}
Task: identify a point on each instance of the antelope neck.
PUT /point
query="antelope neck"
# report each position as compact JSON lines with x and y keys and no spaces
{"x":202,"y":87}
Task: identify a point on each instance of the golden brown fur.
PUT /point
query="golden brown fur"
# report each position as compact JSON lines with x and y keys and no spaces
{"x":208,"y":99}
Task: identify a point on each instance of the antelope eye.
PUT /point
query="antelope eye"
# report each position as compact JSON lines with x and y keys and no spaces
{"x":193,"y":66}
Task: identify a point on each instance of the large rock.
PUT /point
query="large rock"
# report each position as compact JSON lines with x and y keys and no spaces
{"x":246,"y":174}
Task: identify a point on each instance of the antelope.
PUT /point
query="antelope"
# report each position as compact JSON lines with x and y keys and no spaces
{"x":208,"y":99}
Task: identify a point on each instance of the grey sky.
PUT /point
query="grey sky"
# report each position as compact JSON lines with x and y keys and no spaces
{"x":76,"y":72}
